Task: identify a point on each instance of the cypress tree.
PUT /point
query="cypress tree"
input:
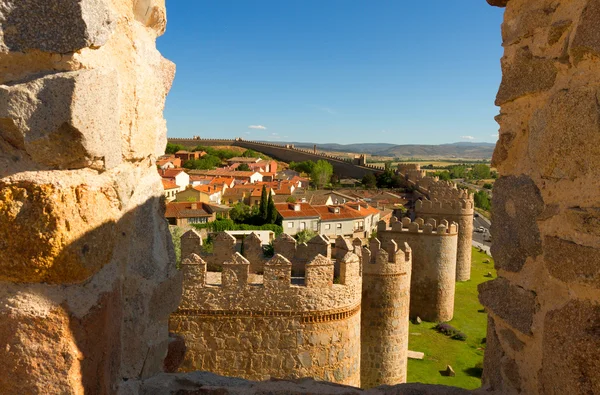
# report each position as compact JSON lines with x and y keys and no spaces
{"x":262,"y":209}
{"x":271,"y":211}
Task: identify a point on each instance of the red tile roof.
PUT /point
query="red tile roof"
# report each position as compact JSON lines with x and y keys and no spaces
{"x":170,"y":173}
{"x":326,"y":213}
{"x":286,"y":210}
{"x":169,"y":185}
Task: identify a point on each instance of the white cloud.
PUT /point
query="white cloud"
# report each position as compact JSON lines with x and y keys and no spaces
{"x":328,"y":110}
{"x":274,"y":134}
{"x":467,"y":137}
{"x":247,"y":132}
{"x":494,"y":135}
{"x":261,"y":127}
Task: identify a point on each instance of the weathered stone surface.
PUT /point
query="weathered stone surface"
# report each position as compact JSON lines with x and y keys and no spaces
{"x":208,"y":383}
{"x":509,"y":337}
{"x":491,"y":378}
{"x":570,"y":362}
{"x":584,"y":219}
{"x":587,"y":36}
{"x":526,"y":18}
{"x":498,"y":3}
{"x":151,"y":13}
{"x":513,"y":304}
{"x":524,"y":75}
{"x":564,"y":135}
{"x":64,"y":120}
{"x":176,"y":353}
{"x":38,"y":351}
{"x":55,"y":235}
{"x":517,"y":203}
{"x":571,"y":262}
{"x":55,"y":25}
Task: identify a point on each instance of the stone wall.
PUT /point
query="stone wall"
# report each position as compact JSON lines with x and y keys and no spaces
{"x":301,"y":254}
{"x":273,"y":327}
{"x":87,"y":273}
{"x":454,"y":205}
{"x":434,"y":250}
{"x":384,"y":316}
{"x":544,"y":308}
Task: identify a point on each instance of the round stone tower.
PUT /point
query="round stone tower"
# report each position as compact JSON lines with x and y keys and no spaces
{"x":384,"y":315}
{"x":454,"y":205}
{"x":433,"y":271}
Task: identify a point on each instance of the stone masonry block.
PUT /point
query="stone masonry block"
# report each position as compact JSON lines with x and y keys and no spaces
{"x":571,"y":262}
{"x":564,"y":138}
{"x":513,"y":304}
{"x":523,"y":75}
{"x":55,"y":25}
{"x":570,"y":362}
{"x":55,"y":235}
{"x":587,"y":35}
{"x":64,"y":120}
{"x":517,"y":203}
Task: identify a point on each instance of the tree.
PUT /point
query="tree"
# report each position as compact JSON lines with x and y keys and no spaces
{"x":291,"y":199}
{"x":321,"y":173}
{"x":243,"y":167}
{"x":305,"y":235}
{"x":172,"y":148}
{"x":272,"y":213}
{"x":262,"y":209}
{"x":240,"y":213}
{"x":303,"y":167}
{"x":482,"y":200}
{"x":481,"y":172}
{"x":443,"y":175}
{"x":369,"y":181}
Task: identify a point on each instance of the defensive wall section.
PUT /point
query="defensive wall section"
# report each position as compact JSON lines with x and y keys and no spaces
{"x":386,"y":274}
{"x":454,"y":205}
{"x":288,"y":153}
{"x":308,"y":327}
{"x":434,"y":250}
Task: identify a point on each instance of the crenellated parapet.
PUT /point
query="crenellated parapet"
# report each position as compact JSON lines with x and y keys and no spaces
{"x":273,"y":325}
{"x":385,"y":312}
{"x":301,"y":253}
{"x":434,"y":250}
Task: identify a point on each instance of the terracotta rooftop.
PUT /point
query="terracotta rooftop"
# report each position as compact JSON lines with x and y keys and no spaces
{"x":286,"y":210}
{"x":169,"y":185}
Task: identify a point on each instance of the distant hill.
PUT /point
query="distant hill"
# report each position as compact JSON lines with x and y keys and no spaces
{"x":464,"y":150}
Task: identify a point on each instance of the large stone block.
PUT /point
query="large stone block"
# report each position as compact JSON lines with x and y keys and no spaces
{"x":587,"y":36}
{"x":38,"y":351}
{"x":571,"y":262}
{"x":564,"y":136}
{"x":55,"y":25}
{"x":55,"y":235}
{"x":517,"y":204}
{"x":513,"y":304}
{"x":64,"y":120}
{"x":570,"y":362}
{"x":525,"y":74}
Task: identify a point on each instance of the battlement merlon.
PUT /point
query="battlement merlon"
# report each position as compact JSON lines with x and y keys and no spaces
{"x":386,"y":258}
{"x":445,"y":207}
{"x":419,"y":226}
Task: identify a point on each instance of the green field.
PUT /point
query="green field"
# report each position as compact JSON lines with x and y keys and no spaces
{"x":465,"y":357}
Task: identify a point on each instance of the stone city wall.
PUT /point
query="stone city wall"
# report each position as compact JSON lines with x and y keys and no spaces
{"x":87,"y":273}
{"x":385,"y":311}
{"x":279,"y":328}
{"x":434,"y":249}
{"x":342,"y":166}
{"x":544,"y":307}
{"x":457,"y":206}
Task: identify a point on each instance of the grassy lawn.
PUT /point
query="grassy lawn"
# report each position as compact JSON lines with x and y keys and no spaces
{"x":440,"y":350}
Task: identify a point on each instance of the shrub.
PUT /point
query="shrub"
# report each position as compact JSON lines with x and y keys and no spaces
{"x":449,"y":330}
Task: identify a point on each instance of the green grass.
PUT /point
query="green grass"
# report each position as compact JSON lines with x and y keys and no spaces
{"x":440,"y":350}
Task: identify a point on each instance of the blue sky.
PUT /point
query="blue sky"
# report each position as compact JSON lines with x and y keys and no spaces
{"x":325,"y":71}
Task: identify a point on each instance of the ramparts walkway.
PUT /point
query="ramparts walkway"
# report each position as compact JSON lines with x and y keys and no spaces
{"x":343,"y":167}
